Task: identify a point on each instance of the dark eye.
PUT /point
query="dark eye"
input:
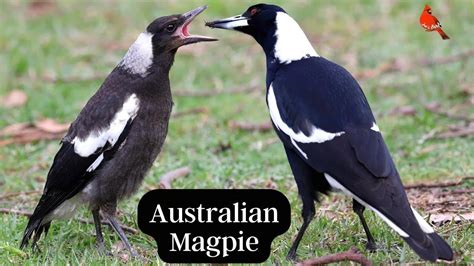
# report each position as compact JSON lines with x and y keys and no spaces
{"x":170,"y":27}
{"x":253,"y":11}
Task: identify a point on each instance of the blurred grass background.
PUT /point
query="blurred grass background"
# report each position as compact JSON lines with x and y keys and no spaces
{"x":59,"y":54}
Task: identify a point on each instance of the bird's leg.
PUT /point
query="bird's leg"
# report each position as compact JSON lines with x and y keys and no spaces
{"x":308,"y":214}
{"x":359,"y":210}
{"x":304,"y":177}
{"x":98,"y":231}
{"x":116,"y":226}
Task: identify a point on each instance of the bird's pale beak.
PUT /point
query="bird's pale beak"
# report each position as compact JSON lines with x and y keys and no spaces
{"x":183,"y":30}
{"x":232,"y":23}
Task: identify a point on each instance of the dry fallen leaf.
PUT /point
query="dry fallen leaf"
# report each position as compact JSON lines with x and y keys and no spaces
{"x":442,"y":218}
{"x":15,"y":98}
{"x":51,"y":126}
{"x":13,"y":129}
{"x":46,"y":129}
{"x":406,"y":110}
{"x":37,"y":8}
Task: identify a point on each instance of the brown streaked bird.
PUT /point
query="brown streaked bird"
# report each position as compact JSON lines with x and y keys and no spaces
{"x":118,"y":134}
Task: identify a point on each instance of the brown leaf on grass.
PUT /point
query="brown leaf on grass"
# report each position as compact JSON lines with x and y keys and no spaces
{"x":46,"y":129}
{"x":406,"y":110}
{"x":15,"y":98}
{"x":442,"y":218}
{"x":51,"y":126}
{"x":37,"y":8}
{"x":437,"y":201}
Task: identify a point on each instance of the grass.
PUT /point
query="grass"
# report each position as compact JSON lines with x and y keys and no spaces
{"x":83,"y":39}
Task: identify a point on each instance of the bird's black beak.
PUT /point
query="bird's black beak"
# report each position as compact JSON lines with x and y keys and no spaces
{"x":183,"y":30}
{"x":233,"y":23}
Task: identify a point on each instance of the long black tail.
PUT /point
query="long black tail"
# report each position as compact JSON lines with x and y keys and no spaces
{"x":433,"y":248}
{"x":430,"y":246}
{"x":36,"y":223}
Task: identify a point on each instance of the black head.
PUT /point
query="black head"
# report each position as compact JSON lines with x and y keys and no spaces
{"x":157,"y":45}
{"x":280,"y":36}
{"x":172,"y":32}
{"x":257,"y":21}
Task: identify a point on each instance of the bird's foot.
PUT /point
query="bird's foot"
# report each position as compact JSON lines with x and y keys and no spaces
{"x":371,"y":246}
{"x":103,"y":251}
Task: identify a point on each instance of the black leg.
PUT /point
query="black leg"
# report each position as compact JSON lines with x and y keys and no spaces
{"x":98,"y":231}
{"x":306,"y":221}
{"x":359,"y":210}
{"x":307,"y":180}
{"x":116,"y":226}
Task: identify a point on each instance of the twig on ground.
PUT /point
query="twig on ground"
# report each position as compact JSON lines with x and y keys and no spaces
{"x":350,"y":255}
{"x":263,"y":127}
{"x":168,"y":178}
{"x":199,"y":110}
{"x":81,"y":220}
{"x":212,"y":92}
{"x":439,"y":185}
{"x":14,"y":194}
{"x":398,"y":65}
{"x":459,"y":132}
{"x":435,"y":108}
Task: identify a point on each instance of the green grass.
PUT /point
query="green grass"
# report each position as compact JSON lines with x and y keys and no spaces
{"x":83,"y":39}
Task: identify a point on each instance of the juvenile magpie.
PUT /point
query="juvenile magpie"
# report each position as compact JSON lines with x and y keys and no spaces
{"x":118,"y":134}
{"x":329,"y":133}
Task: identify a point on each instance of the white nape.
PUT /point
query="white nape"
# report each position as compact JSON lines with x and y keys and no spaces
{"x":139,"y":56}
{"x":423,"y":224}
{"x":298,"y":148}
{"x":96,"y":140}
{"x":375,"y":127}
{"x":291,"y":42}
{"x":234,"y":22}
{"x":316,"y":134}
{"x":333,"y":183}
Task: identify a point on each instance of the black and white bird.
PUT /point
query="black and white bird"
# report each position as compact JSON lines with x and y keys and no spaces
{"x":118,"y":134}
{"x":328,"y":130}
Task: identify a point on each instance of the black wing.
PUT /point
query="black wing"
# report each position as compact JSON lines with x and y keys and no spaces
{"x":315,"y":93}
{"x":68,"y":175}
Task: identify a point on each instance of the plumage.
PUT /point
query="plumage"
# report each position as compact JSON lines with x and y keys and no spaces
{"x":118,"y":134}
{"x":329,"y":133}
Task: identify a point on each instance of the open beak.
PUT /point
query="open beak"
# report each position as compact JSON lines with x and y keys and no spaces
{"x":232,"y":23}
{"x":183,"y":30}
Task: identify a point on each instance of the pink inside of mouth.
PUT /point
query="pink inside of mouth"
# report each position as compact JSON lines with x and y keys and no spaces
{"x":185,"y":30}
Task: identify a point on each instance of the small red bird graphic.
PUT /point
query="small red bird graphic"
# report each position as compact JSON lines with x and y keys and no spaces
{"x":431,"y":23}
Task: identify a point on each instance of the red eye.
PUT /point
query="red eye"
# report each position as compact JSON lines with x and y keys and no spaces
{"x":253,"y":11}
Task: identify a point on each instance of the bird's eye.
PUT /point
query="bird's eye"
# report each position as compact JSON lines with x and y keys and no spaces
{"x":170,"y":27}
{"x":253,"y":11}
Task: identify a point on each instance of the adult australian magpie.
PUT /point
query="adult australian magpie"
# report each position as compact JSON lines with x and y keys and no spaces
{"x":118,"y":134}
{"x":328,"y":130}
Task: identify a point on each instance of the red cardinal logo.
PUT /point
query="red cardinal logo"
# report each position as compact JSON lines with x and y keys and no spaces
{"x":431,"y":23}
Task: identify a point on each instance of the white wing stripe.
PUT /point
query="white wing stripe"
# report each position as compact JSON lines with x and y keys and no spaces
{"x":338,"y":185}
{"x":375,"y":127}
{"x":85,"y":147}
{"x":299,"y":149}
{"x":423,"y":224}
{"x":96,"y":163}
{"x":317,"y":135}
